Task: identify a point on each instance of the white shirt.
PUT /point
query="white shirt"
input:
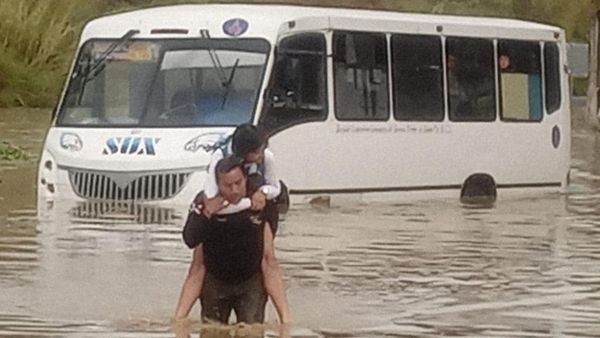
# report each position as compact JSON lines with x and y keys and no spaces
{"x":272,"y":188}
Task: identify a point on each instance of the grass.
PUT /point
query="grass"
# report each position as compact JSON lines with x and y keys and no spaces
{"x":38,"y":37}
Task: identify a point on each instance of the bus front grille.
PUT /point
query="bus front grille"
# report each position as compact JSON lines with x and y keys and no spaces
{"x":122,"y":186}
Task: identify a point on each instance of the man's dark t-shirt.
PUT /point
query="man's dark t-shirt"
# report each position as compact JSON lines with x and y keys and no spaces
{"x":233,"y":244}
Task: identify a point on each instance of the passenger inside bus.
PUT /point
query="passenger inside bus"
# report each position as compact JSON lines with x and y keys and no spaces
{"x":210,"y":108}
{"x":182,"y":109}
{"x":519,"y":69}
{"x":470,"y":86}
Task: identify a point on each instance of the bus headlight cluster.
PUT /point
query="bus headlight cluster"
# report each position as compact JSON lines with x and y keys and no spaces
{"x":70,"y":141}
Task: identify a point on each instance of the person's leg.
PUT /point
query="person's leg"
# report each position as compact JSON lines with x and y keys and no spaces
{"x":192,"y":286}
{"x":216,"y":300}
{"x":250,"y":303}
{"x":272,"y":279}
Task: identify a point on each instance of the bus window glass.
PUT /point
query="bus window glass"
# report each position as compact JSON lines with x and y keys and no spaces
{"x":297,"y":93}
{"x":552,"y":77}
{"x":165,"y":83}
{"x":519,"y":70}
{"x":471,"y":83}
{"x":417,"y":78}
{"x":361,"y":76}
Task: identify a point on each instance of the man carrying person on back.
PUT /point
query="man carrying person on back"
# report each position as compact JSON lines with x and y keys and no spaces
{"x":238,"y":252}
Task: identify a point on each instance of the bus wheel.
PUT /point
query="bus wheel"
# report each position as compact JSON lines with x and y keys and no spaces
{"x":478,"y":189}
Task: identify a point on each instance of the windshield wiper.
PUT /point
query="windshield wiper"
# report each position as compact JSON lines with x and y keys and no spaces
{"x":214,"y":58}
{"x":93,"y":69}
{"x":228,"y":83}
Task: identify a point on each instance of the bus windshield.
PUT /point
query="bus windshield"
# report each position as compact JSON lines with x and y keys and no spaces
{"x":164,"y":83}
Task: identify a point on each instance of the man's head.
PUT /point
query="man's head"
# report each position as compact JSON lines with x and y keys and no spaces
{"x":249,"y":143}
{"x":231,"y":179}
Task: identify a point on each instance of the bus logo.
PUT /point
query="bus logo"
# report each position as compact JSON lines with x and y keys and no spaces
{"x":131,"y":145}
{"x":235,"y":27}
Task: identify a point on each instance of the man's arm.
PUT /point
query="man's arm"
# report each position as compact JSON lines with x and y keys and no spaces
{"x":244,"y":204}
{"x":194,"y":230}
{"x":192,"y":286}
{"x":272,"y":277}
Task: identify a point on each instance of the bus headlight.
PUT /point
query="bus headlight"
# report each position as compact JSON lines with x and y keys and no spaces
{"x":70,"y":141}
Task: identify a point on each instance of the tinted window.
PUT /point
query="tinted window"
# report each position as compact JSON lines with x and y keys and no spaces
{"x":361,"y":76}
{"x":552,"y":77}
{"x":297,"y":92}
{"x":471,"y":84}
{"x":519,"y":69}
{"x":417,"y":78}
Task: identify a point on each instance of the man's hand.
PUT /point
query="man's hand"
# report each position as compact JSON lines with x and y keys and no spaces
{"x":213,"y":205}
{"x":258,"y":201}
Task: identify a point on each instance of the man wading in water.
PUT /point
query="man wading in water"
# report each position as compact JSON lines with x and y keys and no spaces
{"x":238,"y":253}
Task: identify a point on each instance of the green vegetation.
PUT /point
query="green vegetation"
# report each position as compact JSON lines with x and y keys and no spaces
{"x":38,"y":37}
{"x":9,"y":152}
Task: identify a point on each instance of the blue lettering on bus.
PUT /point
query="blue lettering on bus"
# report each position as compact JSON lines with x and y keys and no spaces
{"x":134,"y":145}
{"x":111,"y":146}
{"x":131,"y":145}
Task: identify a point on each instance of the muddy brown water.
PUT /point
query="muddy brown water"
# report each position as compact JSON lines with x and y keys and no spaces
{"x":528,"y":267}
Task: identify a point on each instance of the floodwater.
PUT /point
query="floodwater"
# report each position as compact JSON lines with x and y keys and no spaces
{"x":527,"y":267}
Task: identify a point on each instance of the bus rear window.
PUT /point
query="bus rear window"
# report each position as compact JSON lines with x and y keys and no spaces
{"x":519,"y":70}
{"x":552,"y":77}
{"x":471,"y":84}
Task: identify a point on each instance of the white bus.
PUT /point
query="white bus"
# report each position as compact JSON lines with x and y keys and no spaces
{"x":356,"y":101}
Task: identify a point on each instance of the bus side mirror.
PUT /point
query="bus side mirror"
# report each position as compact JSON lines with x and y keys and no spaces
{"x":577,"y":56}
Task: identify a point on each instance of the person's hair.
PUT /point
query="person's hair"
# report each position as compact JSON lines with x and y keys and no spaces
{"x":247,"y":138}
{"x":227,"y":164}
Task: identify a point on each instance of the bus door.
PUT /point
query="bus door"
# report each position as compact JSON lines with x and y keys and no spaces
{"x":296,"y":99}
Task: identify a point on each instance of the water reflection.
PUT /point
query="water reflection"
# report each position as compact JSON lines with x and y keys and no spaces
{"x":19,"y":246}
{"x":525,"y":267}
{"x":123,"y":212}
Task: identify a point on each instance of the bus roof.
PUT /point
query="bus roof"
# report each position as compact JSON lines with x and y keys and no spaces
{"x":265,"y":21}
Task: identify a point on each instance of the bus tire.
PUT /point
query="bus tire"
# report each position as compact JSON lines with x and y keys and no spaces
{"x":478,"y":189}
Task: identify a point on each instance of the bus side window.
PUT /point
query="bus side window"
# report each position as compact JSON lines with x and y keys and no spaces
{"x":361,"y":76}
{"x":519,"y":69}
{"x":418,"y":77}
{"x":297,"y":92}
{"x":552,"y":76}
{"x":471,"y":81}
